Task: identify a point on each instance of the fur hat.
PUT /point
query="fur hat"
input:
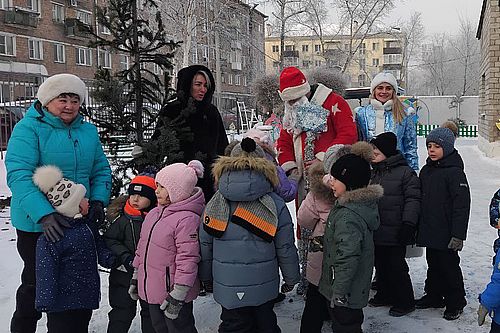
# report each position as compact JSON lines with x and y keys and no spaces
{"x":180,"y":179}
{"x":360,"y":148}
{"x":293,"y":84}
{"x":59,"y":84}
{"x":386,"y":142}
{"x":443,"y":137}
{"x":353,"y":169}
{"x":247,"y":148}
{"x":145,"y":186}
{"x":452,"y":126}
{"x":384,"y":77}
{"x":64,"y":195}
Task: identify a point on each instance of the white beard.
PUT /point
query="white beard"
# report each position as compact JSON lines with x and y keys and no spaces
{"x":290,"y":116}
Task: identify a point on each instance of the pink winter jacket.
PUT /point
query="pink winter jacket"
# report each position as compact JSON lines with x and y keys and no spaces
{"x":312,"y":214}
{"x":168,"y":251}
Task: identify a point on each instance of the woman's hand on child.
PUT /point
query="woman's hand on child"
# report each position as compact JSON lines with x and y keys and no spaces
{"x":52,"y":226}
{"x":132,"y":290}
{"x":172,"y":305}
{"x":96,"y":212}
{"x":456,"y":244}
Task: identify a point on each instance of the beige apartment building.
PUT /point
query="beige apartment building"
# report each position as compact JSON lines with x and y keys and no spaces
{"x":377,"y":52}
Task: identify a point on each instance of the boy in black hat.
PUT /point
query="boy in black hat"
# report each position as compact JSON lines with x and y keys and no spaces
{"x":348,"y":242}
{"x":443,"y":223}
{"x":399,"y":210}
{"x":126,"y":214}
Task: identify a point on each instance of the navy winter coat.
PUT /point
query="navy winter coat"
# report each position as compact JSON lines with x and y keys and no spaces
{"x":66,"y":271}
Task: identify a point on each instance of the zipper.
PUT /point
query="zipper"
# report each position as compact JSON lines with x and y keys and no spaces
{"x":167,"y":280}
{"x":133,"y":234}
{"x":146,"y":252}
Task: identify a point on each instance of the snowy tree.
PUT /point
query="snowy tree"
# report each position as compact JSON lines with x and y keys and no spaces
{"x":266,"y":89}
{"x":467,"y":53}
{"x":332,"y":78}
{"x":314,"y":18}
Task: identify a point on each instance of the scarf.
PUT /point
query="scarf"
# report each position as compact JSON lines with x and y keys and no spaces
{"x":260,"y":216}
{"x":131,"y":211}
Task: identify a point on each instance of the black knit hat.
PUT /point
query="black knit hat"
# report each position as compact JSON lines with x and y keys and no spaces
{"x":386,"y":142}
{"x":352,"y":170}
{"x":144,"y":185}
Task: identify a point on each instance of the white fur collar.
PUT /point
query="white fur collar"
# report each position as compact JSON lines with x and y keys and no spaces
{"x":379,"y":106}
{"x":321,"y":94}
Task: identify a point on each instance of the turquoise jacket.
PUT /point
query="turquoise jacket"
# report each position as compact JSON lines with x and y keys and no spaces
{"x":405,"y":131}
{"x":41,"y":138}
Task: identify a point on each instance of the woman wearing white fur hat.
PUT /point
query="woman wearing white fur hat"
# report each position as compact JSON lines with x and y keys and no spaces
{"x":386,"y":113}
{"x":51,"y":133}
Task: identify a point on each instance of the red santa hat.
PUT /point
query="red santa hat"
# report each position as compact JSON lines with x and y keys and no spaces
{"x":293,"y":84}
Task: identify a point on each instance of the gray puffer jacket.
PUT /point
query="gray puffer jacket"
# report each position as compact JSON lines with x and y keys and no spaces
{"x":243,"y":266}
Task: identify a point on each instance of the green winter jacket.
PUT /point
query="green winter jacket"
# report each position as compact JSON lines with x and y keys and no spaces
{"x":348,"y":255}
{"x":41,"y":138}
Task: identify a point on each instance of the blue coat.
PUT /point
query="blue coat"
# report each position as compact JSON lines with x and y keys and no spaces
{"x":405,"y":131}
{"x":490,"y":297}
{"x":66,"y":271}
{"x":241,"y":263}
{"x":41,"y":138}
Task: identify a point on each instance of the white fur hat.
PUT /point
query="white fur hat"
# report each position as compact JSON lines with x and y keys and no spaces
{"x":384,"y":77}
{"x":59,"y":84}
{"x":62,"y":193}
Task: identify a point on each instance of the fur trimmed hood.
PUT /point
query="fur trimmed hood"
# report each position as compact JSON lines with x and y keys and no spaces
{"x":225,"y":163}
{"x":371,"y":193}
{"x":323,"y":192}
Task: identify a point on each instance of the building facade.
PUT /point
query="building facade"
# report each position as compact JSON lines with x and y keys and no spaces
{"x":375,"y":53}
{"x":488,"y":34}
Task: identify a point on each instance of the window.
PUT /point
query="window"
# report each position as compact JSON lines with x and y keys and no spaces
{"x":289,"y":47}
{"x":317,"y":63}
{"x":237,"y":80}
{"x":375,"y":62}
{"x":305,"y":63}
{"x":35,"y":47}
{"x":392,"y":59}
{"x":34,"y":5}
{"x":57,"y":12}
{"x":245,"y":83}
{"x":223,"y":78}
{"x":157,"y":69}
{"x":59,"y":53}
{"x":230,"y":81}
{"x":84,"y":17}
{"x":317,"y":48}
{"x":362,"y":63}
{"x":305,"y":48}
{"x":124,"y":62}
{"x":374,"y":46}
{"x":83,"y":56}
{"x":361,"y":80}
{"x":4,"y":4}
{"x":276,"y":48}
{"x":103,"y":58}
{"x":362,"y":48}
{"x":102,"y":29}
{"x":7,"y":45}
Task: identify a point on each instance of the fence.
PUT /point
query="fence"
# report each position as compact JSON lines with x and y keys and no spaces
{"x":468,"y":131}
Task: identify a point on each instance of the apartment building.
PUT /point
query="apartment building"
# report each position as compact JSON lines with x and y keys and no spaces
{"x":377,"y":52}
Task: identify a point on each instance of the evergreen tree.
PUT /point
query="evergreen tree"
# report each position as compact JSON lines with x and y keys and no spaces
{"x":127,"y":101}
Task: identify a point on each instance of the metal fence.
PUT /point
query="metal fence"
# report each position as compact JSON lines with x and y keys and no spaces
{"x":467,"y":131}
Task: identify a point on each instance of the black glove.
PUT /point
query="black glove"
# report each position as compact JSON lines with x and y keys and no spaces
{"x":338,"y":300}
{"x":407,"y":234}
{"x":52,"y":226}
{"x":286,"y":288}
{"x":96,"y":213}
{"x":456,"y":244}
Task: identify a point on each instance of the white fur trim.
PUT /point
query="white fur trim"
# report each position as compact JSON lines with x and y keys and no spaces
{"x":320,"y":156}
{"x":287,"y":166}
{"x":46,"y":177}
{"x":321,"y":94}
{"x":60,"y":84}
{"x":297,"y":148}
{"x":384,"y":77}
{"x":291,"y":93}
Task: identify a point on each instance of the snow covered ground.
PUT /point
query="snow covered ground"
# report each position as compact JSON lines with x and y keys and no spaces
{"x":484,"y":178}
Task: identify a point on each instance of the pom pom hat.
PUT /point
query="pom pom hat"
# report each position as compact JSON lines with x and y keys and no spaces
{"x":247,"y":148}
{"x":64,"y":195}
{"x":384,"y":77}
{"x":293,"y":84}
{"x":61,"y":84}
{"x":180,"y":179}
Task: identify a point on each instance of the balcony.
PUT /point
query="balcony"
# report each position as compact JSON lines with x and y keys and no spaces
{"x":20,"y":16}
{"x":290,"y":54}
{"x":392,"y":50}
{"x":76,"y":29}
{"x":389,"y":67}
{"x":236,"y":66}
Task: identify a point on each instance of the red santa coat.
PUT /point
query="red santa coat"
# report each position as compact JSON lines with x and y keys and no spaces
{"x":341,"y":130}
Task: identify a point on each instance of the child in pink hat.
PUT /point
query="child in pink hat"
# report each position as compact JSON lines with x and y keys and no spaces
{"x":166,"y":260}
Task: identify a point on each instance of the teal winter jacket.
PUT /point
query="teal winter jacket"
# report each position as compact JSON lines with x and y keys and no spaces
{"x":41,"y":138}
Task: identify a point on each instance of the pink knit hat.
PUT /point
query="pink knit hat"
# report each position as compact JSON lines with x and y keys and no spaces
{"x":180,"y":179}
{"x":259,"y":134}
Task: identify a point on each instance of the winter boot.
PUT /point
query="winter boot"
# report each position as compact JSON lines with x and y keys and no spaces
{"x":428,"y":301}
{"x":397,"y":311}
{"x":452,"y":314}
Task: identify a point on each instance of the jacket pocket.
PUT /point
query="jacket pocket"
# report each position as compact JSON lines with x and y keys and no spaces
{"x":167,"y":279}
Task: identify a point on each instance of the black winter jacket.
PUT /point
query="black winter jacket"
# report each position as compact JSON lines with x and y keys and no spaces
{"x":203,"y":119}
{"x":445,"y":202}
{"x":401,"y":201}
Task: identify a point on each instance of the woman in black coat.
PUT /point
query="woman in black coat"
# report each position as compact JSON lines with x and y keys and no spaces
{"x":196,"y":121}
{"x":399,"y":211}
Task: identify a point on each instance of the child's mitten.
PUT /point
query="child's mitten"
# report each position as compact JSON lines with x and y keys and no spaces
{"x":172,"y":305}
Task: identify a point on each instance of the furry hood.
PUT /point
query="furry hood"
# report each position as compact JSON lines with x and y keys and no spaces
{"x":371,"y":193}
{"x":323,"y":192}
{"x":115,"y":208}
{"x":225,"y":163}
